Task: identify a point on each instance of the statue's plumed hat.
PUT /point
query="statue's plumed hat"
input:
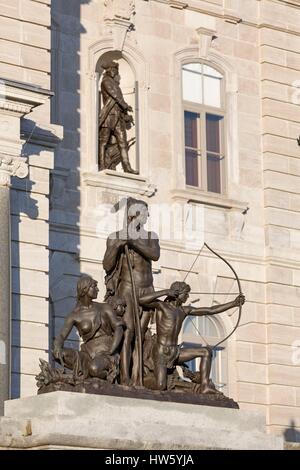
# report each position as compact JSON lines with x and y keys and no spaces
{"x":110,"y":64}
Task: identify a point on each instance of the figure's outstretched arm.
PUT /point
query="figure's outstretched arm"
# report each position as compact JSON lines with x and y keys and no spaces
{"x":64,"y":333}
{"x":151,"y":300}
{"x":240,"y":300}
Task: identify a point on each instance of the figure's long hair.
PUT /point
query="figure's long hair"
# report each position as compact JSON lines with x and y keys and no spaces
{"x":83,"y":286}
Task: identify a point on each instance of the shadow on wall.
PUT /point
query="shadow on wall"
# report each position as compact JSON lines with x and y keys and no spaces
{"x":21,"y":205}
{"x":65,"y":200}
{"x":25,"y":198}
{"x":291,"y":434}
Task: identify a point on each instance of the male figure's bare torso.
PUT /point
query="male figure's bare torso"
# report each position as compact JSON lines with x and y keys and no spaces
{"x":169,"y":319}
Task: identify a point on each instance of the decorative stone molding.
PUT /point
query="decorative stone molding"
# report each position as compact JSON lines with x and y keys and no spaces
{"x":231,"y":11}
{"x":12,"y":166}
{"x":18,"y":98}
{"x":206,"y":37}
{"x":201,"y":197}
{"x":119,"y":9}
{"x":123,"y":182}
{"x":118,"y":18}
{"x":230,"y":17}
{"x":292,"y":3}
{"x":177,"y":4}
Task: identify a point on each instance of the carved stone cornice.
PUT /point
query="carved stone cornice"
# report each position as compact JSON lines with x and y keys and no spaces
{"x":205,"y":37}
{"x":19,"y":99}
{"x":10,"y":107}
{"x":124,"y":9}
{"x":12,"y":166}
{"x":118,"y":17}
{"x":177,"y":4}
{"x":231,"y":17}
{"x":122,"y":182}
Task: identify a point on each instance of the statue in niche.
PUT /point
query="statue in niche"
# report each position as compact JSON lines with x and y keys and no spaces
{"x":114,"y":120}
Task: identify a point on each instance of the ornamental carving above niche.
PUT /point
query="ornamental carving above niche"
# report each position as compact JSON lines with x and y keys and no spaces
{"x":12,"y":166}
{"x":123,"y":9}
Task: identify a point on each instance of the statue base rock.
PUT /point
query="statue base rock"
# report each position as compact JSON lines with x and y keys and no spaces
{"x":101,"y":387}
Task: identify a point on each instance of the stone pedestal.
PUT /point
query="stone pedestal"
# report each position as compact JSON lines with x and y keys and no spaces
{"x":80,"y":421}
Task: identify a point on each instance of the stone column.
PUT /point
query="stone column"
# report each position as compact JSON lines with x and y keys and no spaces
{"x":9,"y":166}
{"x":17,"y":100}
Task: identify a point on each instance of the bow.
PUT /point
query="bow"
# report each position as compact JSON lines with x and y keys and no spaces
{"x":240,"y":292}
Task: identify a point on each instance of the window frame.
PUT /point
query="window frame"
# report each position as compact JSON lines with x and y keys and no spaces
{"x":203,"y":110}
{"x":221,"y":358}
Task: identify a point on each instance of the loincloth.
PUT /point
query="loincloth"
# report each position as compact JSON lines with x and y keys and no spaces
{"x":166,"y":355}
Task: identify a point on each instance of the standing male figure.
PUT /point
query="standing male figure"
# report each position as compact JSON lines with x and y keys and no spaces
{"x":113,"y":117}
{"x":143,"y":248}
{"x":170,"y":315}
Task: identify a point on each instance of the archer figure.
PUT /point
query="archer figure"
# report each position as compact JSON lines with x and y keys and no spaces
{"x":170,"y":315}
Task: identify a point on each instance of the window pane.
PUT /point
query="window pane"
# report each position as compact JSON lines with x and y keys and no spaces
{"x":190,"y":129}
{"x":191,"y":167}
{"x":188,"y":326}
{"x":212,"y":91}
{"x":211,"y":72}
{"x":213,"y":133}
{"x":210,"y":328}
{"x":192,"y":86}
{"x":213,"y":173}
{"x":195,"y":67}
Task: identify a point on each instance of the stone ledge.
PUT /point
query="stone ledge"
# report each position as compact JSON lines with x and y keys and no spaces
{"x":123,"y":182}
{"x":103,"y":422}
{"x":18,"y":98}
{"x":190,"y":195}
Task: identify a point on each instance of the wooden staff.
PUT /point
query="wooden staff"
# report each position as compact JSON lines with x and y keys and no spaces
{"x":137,"y":322}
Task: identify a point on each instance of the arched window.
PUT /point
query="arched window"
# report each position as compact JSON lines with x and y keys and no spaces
{"x":203,"y":101}
{"x":195,"y":330}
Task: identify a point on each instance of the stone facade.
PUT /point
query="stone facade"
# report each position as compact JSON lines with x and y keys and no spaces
{"x":26,"y":133}
{"x":256,"y":46}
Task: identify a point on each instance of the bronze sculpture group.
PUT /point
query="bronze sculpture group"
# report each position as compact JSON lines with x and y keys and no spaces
{"x":118,"y":347}
{"x":120,"y":350}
